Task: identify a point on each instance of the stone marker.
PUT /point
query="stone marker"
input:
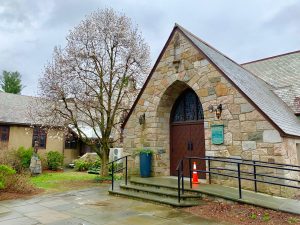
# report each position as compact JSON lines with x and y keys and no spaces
{"x":35,"y":162}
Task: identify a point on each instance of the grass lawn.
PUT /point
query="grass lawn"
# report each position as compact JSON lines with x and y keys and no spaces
{"x":63,"y":181}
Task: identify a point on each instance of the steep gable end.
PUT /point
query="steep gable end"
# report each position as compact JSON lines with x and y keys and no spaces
{"x":255,"y":90}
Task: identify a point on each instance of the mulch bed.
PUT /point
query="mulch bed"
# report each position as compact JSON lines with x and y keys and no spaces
{"x":13,"y":195}
{"x":242,"y":214}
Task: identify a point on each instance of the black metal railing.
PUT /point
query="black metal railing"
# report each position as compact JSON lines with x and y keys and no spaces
{"x":113,"y":171}
{"x":180,"y":178}
{"x":238,"y":172}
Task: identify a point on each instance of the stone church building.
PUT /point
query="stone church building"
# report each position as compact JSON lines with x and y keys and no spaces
{"x":195,"y":92}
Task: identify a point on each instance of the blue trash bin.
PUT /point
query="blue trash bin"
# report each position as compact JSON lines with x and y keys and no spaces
{"x":145,"y":164}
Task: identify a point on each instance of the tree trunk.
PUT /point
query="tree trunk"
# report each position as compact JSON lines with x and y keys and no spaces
{"x":104,"y":160}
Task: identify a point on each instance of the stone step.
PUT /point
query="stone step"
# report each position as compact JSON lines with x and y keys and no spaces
{"x":154,"y":198}
{"x":170,"y":184}
{"x":156,"y":190}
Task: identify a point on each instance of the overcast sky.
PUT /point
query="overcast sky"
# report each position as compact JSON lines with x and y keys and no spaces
{"x":244,"y":30}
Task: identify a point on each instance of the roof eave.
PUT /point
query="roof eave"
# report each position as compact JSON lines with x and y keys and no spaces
{"x":177,"y":27}
{"x":282,"y":132}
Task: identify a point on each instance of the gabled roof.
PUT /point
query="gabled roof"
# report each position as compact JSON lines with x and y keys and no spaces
{"x":14,"y":108}
{"x":282,"y":72}
{"x":254,"y":89}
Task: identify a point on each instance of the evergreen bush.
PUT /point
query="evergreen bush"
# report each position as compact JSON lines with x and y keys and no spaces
{"x":5,"y":173}
{"x":55,"y":160}
{"x":24,"y":154}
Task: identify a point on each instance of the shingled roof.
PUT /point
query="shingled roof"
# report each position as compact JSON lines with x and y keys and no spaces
{"x":254,"y":89}
{"x":282,"y":72}
{"x":14,"y":108}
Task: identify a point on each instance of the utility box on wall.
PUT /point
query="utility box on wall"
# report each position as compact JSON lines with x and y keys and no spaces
{"x":115,"y":153}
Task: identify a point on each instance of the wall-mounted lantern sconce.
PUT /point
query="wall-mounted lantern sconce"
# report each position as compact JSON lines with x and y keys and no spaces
{"x":218,"y":110}
{"x":142,"y":119}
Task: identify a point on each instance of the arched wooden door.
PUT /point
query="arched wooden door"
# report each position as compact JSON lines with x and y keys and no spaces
{"x":186,"y":131}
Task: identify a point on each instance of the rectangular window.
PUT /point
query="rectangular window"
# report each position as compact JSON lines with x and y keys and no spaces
{"x":71,"y":142}
{"x":298,"y":152}
{"x":40,"y":135}
{"x":4,"y":133}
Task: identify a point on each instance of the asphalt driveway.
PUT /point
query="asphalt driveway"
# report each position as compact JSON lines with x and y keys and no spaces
{"x":91,"y":206}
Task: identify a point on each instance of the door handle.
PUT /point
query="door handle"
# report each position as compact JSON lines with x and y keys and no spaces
{"x":190,"y":146}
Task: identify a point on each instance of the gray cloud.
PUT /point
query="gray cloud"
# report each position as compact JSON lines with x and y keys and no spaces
{"x":243,"y":30}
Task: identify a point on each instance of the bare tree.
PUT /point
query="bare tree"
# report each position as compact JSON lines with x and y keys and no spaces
{"x":90,"y":82}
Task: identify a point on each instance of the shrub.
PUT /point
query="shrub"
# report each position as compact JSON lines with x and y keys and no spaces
{"x":44,"y":161}
{"x":144,"y":151}
{"x":5,"y":173}
{"x":11,"y":159}
{"x":18,"y":159}
{"x":95,"y":167}
{"x":54,"y":160}
{"x":20,"y":183}
{"x":87,"y":162}
{"x":117,"y":166}
{"x":25,"y":156}
{"x":82,"y":165}
{"x":97,"y":163}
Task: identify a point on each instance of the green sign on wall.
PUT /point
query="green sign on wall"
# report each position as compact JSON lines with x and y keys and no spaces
{"x":217,"y":134}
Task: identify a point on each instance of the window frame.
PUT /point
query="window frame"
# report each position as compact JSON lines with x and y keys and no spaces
{"x":39,"y":134}
{"x":298,"y":153}
{"x":7,"y":134}
{"x":71,"y":139}
{"x":182,"y":106}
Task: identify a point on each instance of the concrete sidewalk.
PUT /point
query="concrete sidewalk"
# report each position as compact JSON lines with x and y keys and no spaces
{"x":92,"y":206}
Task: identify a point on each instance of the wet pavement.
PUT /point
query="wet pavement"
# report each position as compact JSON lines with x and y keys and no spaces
{"x":92,"y":206}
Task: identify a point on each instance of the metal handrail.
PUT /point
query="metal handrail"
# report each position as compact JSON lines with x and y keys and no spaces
{"x":256,"y":161}
{"x":180,"y":176}
{"x":113,"y":170}
{"x":248,"y":164}
{"x":118,"y":159}
{"x":238,"y":162}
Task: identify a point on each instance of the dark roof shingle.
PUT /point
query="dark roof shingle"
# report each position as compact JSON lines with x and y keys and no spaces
{"x":283,"y":74}
{"x":254,"y":88}
{"x":14,"y":108}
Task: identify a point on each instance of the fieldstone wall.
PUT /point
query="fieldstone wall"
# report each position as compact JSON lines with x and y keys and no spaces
{"x":247,"y":134}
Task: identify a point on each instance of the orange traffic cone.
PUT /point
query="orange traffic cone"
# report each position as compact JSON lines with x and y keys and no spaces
{"x":195,"y":174}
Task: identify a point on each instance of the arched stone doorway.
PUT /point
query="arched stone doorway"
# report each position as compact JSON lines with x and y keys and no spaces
{"x":186,"y":131}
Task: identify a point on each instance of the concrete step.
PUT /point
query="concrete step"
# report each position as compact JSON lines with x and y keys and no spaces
{"x":164,"y":193}
{"x":156,"y":190}
{"x":213,"y":191}
{"x":154,"y":198}
{"x":166,"y":184}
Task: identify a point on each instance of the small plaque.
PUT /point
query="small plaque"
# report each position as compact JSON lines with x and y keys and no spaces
{"x":217,"y":134}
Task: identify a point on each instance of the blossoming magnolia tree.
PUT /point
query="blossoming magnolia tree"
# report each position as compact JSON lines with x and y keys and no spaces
{"x":90,"y":83}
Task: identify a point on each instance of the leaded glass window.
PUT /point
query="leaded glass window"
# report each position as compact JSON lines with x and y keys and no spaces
{"x":40,"y":135}
{"x":4,"y":133}
{"x":187,"y":107}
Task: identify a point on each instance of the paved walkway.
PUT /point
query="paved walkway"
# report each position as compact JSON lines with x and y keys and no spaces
{"x":91,"y":206}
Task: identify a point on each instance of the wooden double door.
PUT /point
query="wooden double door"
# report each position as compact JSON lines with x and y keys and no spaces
{"x":187,"y":132}
{"x":187,"y":140}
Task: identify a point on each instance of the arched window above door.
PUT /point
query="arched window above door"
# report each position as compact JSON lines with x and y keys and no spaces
{"x":187,"y":107}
